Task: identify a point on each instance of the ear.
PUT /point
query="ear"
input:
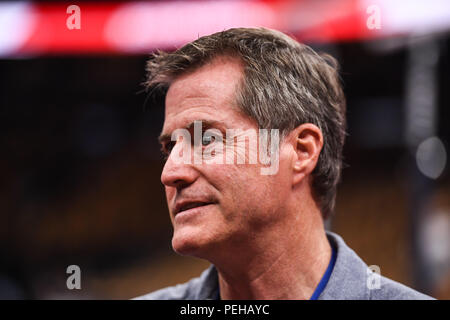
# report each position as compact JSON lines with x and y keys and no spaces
{"x":307,"y":142}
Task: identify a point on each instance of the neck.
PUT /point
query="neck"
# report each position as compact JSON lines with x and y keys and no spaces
{"x":287,"y":261}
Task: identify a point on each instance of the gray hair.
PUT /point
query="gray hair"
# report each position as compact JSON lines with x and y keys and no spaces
{"x":285,"y":84}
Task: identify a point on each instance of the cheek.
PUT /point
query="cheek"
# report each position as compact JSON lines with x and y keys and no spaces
{"x":259,"y":192}
{"x":241,"y":187}
{"x":245,"y":186}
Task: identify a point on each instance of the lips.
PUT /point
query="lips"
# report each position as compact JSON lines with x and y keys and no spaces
{"x":186,"y":205}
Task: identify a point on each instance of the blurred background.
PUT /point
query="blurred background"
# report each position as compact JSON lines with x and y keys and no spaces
{"x":80,"y":163}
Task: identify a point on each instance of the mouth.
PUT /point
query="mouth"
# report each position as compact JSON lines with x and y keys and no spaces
{"x":184,"y":206}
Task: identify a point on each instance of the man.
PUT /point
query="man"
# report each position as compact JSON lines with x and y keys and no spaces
{"x":262,"y":231}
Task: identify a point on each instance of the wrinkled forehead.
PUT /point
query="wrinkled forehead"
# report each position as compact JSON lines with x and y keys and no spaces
{"x":206,"y":93}
{"x":218,"y":81}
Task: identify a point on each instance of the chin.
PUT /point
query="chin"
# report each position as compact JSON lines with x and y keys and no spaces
{"x":186,"y":245}
{"x":190,"y":245}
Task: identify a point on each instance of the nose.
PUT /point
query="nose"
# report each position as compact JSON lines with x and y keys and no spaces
{"x":178,"y":175}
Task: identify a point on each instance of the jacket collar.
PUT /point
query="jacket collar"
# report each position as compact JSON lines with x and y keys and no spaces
{"x":348,"y":280}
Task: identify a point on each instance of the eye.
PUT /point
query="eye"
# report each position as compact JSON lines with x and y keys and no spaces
{"x":207,"y":139}
{"x":169,"y":146}
{"x":166,"y":148}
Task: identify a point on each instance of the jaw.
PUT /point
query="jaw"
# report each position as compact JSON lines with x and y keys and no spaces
{"x":206,"y":239}
{"x":189,"y":241}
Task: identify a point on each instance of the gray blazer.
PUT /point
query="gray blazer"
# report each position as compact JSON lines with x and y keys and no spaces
{"x":349,"y":281}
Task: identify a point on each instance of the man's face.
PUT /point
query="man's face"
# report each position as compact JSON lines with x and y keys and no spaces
{"x":216,"y":206}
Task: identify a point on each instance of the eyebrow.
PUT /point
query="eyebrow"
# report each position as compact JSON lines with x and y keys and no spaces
{"x":206,"y":124}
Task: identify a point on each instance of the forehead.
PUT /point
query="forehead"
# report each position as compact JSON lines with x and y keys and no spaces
{"x":206,"y":93}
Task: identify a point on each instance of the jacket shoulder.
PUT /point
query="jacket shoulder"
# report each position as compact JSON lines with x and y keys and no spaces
{"x":202,"y":287}
{"x":350,"y":277}
{"x":393,"y":290}
{"x":177,"y":292}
